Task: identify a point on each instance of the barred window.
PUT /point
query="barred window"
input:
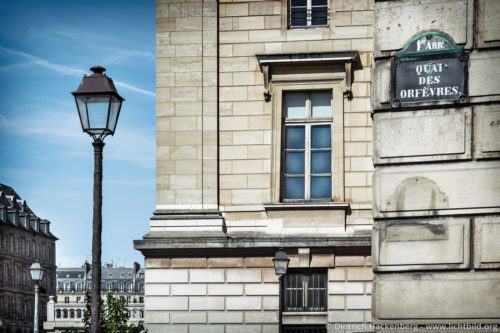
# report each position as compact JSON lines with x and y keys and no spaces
{"x":305,"y":291}
{"x":308,"y":13}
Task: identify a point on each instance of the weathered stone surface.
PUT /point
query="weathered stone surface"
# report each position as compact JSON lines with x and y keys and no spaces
{"x":415,"y":136}
{"x":483,"y":71}
{"x":487,"y":131}
{"x":436,"y":189}
{"x":421,"y":245}
{"x":488,"y":24}
{"x":397,"y":22}
{"x":166,"y":276}
{"x":486,"y":244}
{"x":450,"y":297}
{"x":381,"y":85}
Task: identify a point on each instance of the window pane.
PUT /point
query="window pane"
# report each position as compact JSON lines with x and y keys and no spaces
{"x":321,"y":187}
{"x":319,"y":16}
{"x":321,"y":136}
{"x":299,"y":2}
{"x":298,"y":17}
{"x":294,"y":163}
{"x":295,"y":103}
{"x":319,"y":2}
{"x":294,"y":188}
{"x":321,"y":104}
{"x":295,"y":137}
{"x":320,"y":162}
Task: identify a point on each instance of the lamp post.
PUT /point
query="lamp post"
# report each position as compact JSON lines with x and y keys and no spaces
{"x":36,"y":271}
{"x":98,"y":105}
{"x":280,"y":261}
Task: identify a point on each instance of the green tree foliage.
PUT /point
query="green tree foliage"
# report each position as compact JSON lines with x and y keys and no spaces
{"x":114,"y":316}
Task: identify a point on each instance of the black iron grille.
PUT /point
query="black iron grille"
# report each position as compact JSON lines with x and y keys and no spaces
{"x":305,"y":291}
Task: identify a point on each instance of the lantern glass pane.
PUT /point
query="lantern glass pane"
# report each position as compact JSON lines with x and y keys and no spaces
{"x":280,"y":266}
{"x":114,"y":111}
{"x":97,"y":107}
{"x":82,"y":110}
{"x":36,"y":271}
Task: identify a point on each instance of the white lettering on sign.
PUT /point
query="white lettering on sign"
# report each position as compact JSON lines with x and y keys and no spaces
{"x":427,"y":75}
{"x":423,"y":44}
{"x":429,"y":92}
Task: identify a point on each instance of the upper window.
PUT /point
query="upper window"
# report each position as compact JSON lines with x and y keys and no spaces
{"x":305,"y":291}
{"x":308,"y":13}
{"x":307,"y":167}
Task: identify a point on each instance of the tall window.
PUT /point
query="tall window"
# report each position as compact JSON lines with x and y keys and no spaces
{"x":305,"y":291}
{"x":307,"y":167}
{"x":308,"y":13}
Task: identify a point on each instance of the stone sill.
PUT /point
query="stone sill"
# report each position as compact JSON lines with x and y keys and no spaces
{"x":308,"y":205}
{"x":305,"y":313}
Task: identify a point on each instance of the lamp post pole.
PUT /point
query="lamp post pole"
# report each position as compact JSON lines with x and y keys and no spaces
{"x":95,"y":322}
{"x":280,"y":319}
{"x":281,"y":262}
{"x":37,"y":290}
{"x":98,"y":105}
{"x":37,"y":273}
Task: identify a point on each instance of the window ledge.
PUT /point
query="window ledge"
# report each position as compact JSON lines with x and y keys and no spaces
{"x":310,"y":206}
{"x":305,"y":313}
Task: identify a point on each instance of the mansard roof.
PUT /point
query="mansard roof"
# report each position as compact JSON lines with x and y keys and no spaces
{"x":15,"y":212}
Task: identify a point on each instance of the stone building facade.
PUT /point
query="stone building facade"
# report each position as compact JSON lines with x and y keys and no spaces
{"x":436,"y":198}
{"x":24,"y":238}
{"x":264,"y":141}
{"x":66,"y":311}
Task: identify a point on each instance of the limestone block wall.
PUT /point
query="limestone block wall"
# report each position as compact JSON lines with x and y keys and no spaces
{"x":186,"y":104}
{"x":240,"y":294}
{"x":435,"y":196}
{"x":246,"y":120}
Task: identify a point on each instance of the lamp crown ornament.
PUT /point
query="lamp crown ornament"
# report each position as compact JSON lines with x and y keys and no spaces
{"x":98,"y":69}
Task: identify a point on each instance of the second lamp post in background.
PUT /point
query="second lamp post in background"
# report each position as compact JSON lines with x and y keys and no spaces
{"x":36,"y":271}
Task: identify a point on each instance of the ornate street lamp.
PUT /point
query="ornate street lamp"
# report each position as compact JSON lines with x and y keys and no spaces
{"x":98,"y":105}
{"x":281,"y":262}
{"x":36,"y":271}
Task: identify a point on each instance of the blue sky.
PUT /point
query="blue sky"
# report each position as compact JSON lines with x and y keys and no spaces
{"x":45,"y":48}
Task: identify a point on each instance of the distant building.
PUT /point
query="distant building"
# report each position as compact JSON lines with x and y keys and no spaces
{"x":24,"y":238}
{"x":67,"y":310}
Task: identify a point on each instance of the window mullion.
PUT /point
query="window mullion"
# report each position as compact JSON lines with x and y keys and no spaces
{"x":332,"y":165}
{"x":307,"y":167}
{"x":309,"y":13}
{"x":304,"y":293}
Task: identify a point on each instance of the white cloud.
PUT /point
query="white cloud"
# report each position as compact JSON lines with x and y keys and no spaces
{"x":65,"y":69}
{"x":139,"y":90}
{"x":131,"y":144}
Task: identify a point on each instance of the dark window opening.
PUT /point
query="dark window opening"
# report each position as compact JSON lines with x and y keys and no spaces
{"x":305,"y":291}
{"x":308,"y":13}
